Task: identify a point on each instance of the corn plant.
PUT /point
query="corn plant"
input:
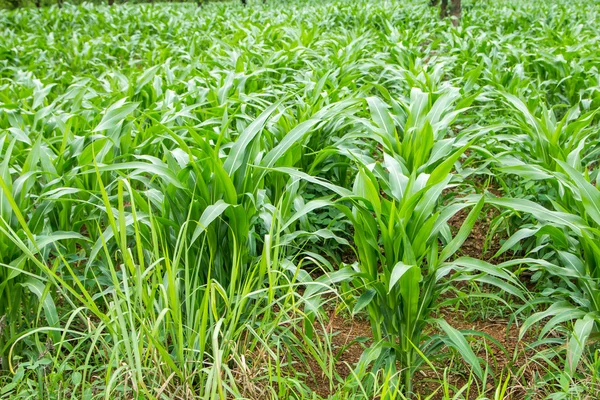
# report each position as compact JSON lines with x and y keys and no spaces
{"x":568,"y":241}
{"x":397,"y":228}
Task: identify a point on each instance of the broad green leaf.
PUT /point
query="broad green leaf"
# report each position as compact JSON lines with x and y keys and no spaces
{"x":463,"y":232}
{"x":115,"y":115}
{"x":541,"y":213}
{"x":410,"y":292}
{"x":236,"y":155}
{"x":36,"y":287}
{"x":527,"y":171}
{"x":211,"y":213}
{"x":516,"y":238}
{"x":398,"y":181}
{"x":44,"y":240}
{"x":442,"y":171}
{"x":306,"y":209}
{"x":288,"y":141}
{"x":590,"y":195}
{"x":140,"y":168}
{"x":457,"y":340}
{"x":381,"y":116}
{"x":576,"y":344}
{"x":364,"y":300}
{"x":399,"y":269}
{"x":318,"y":181}
{"x":554,"y":309}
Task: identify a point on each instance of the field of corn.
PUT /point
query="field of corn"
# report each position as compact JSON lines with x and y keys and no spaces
{"x":342,"y":199}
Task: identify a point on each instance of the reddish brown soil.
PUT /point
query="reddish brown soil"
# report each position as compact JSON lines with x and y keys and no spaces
{"x":475,"y":244}
{"x":347,"y":337}
{"x":345,"y":334}
{"x":510,"y":356}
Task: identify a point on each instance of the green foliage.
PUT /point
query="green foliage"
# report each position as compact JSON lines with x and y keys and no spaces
{"x":186,"y":193}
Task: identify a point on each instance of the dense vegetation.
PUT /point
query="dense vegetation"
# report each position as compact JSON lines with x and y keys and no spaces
{"x":213,"y":202}
{"x":11,"y":4}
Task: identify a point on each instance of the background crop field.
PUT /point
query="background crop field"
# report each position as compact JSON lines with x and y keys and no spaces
{"x":343,"y":199}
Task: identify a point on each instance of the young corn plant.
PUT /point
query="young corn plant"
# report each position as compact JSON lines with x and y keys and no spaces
{"x":567,"y":240}
{"x":402,"y":267}
{"x":543,"y":140}
{"x":399,"y":260}
{"x":415,"y":133}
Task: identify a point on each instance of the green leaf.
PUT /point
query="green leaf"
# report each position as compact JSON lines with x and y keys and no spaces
{"x":146,"y":77}
{"x":541,"y":213}
{"x":211,"y":213}
{"x":554,"y":309}
{"x":397,"y":180}
{"x":306,"y":208}
{"x":463,"y":232}
{"x":236,"y":155}
{"x":516,"y":238}
{"x":365,"y":185}
{"x":317,"y":181}
{"x":364,"y":300}
{"x":532,"y":172}
{"x":288,"y":141}
{"x":44,"y":240}
{"x":36,"y":287}
{"x":76,"y":378}
{"x":410,"y":292}
{"x":506,"y":280}
{"x":441,"y":171}
{"x":576,"y":344}
{"x":115,"y":115}
{"x":590,"y":196}
{"x":456,"y":340}
{"x":399,"y":269}
{"x":139,"y":168}
{"x":381,"y":117}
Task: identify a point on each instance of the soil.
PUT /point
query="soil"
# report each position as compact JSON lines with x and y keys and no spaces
{"x":511,"y":355}
{"x":480,"y":244}
{"x":349,"y":338}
